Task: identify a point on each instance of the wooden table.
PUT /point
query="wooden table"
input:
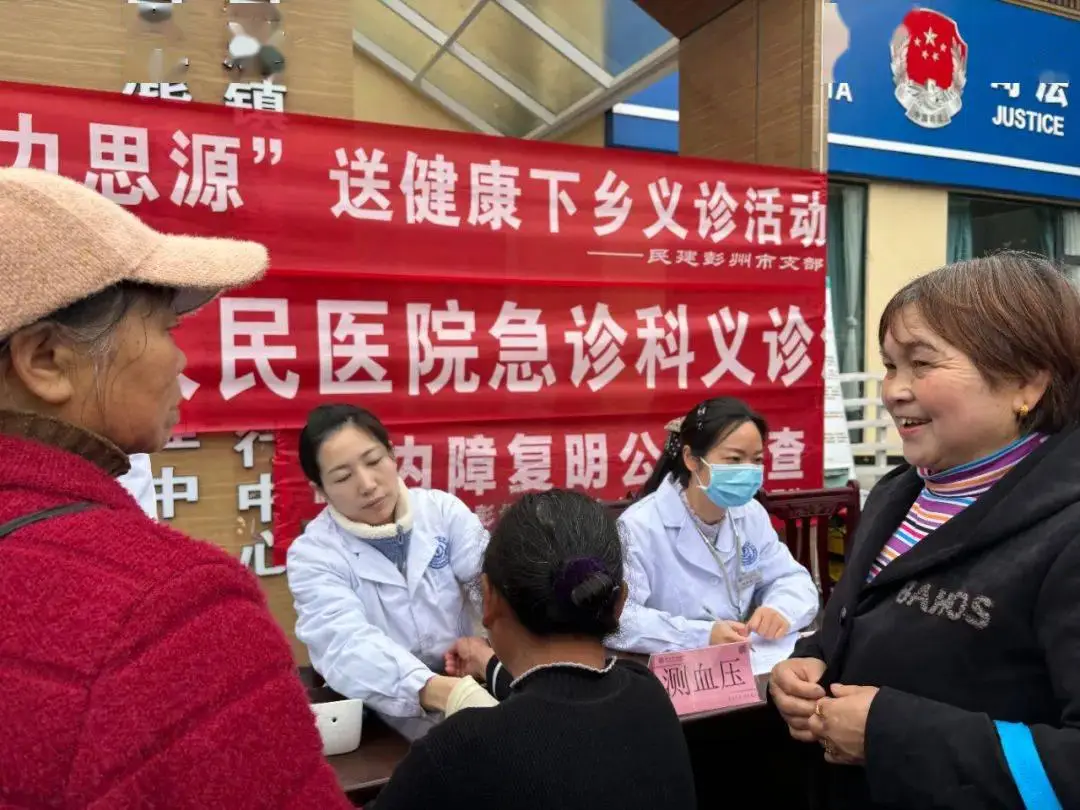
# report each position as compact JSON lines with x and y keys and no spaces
{"x":748,"y":747}
{"x":361,"y":773}
{"x":744,"y":745}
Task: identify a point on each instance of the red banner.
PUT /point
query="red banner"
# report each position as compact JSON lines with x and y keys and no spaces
{"x":487,"y":465}
{"x":462,"y":285}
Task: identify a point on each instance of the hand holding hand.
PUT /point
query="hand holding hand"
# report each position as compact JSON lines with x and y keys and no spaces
{"x":794,"y":687}
{"x":726,"y":632}
{"x":768,"y":623}
{"x":468,"y":656}
{"x":839,"y":723}
{"x":436,"y":692}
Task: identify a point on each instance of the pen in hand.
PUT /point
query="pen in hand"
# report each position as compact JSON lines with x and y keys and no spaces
{"x":722,"y":629}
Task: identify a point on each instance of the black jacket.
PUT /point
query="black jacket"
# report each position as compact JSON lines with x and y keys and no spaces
{"x":979,"y":622}
{"x":565,"y":739}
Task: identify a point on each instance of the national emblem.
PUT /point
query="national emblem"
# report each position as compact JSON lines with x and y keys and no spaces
{"x":929,"y":67}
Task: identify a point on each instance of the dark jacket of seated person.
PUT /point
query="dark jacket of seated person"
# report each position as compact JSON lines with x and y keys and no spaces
{"x":575,"y":730}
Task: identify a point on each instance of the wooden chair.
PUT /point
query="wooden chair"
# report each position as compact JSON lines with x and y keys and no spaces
{"x":807,"y":515}
{"x":616,"y":507}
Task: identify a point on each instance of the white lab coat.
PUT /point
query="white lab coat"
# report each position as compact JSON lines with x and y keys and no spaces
{"x":676,"y":591}
{"x":373,"y":633}
{"x":139,"y":482}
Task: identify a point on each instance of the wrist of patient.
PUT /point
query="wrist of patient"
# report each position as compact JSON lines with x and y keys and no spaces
{"x":436,"y":692}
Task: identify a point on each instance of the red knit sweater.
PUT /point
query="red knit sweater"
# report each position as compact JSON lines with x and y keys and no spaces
{"x":138,"y":668}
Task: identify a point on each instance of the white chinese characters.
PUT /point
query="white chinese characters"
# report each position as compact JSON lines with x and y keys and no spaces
{"x":27,"y":142}
{"x":214,"y":176}
{"x":495,"y":195}
{"x":236,"y":323}
{"x":788,"y":346}
{"x":444,"y":339}
{"x":447,"y":348}
{"x":428,"y":186}
{"x":169,"y":91}
{"x":362,"y":181}
{"x":345,"y":328}
{"x":786,"y":448}
{"x":666,"y":337}
{"x":523,"y":350}
{"x":472,"y":464}
{"x":597,"y":345}
{"x":120,"y":164}
{"x":264,"y":96}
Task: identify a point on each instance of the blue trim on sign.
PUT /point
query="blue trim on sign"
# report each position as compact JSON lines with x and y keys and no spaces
{"x":643,"y":133}
{"x":1025,"y":766}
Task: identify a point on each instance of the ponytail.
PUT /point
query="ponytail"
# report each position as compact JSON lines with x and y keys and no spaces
{"x":670,"y":462}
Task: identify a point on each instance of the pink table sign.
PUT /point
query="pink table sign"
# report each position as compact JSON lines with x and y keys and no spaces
{"x":707,"y":679}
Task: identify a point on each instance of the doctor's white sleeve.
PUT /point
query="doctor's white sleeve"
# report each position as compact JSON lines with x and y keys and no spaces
{"x":648,"y":630}
{"x":468,"y":542}
{"x":354,"y":656}
{"x":786,"y":586}
{"x":139,"y":482}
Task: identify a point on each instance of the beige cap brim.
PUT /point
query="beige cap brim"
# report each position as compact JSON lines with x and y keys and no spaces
{"x":201,"y":268}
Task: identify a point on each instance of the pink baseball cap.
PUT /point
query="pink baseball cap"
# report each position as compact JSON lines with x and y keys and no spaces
{"x":61,"y":242}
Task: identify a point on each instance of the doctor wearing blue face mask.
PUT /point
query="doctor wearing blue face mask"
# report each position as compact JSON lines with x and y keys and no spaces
{"x":705,"y":565}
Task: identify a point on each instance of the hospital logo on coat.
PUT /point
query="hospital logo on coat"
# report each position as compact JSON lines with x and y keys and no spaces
{"x":749,"y":555}
{"x":442,"y":553}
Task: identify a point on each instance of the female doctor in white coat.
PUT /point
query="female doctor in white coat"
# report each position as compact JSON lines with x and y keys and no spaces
{"x":385,"y":579}
{"x":705,"y":565}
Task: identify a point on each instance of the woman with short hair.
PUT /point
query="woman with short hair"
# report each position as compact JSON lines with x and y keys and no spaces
{"x":947,"y":669}
{"x":138,"y":667}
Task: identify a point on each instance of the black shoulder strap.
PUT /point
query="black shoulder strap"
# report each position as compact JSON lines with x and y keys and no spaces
{"x":44,"y":514}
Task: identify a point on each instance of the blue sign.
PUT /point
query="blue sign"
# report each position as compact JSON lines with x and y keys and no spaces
{"x":649,"y":119}
{"x":1003,"y":123}
{"x":958,"y":93}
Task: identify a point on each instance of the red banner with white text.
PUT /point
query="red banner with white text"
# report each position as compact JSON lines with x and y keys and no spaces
{"x":488,"y":464}
{"x":464,"y":286}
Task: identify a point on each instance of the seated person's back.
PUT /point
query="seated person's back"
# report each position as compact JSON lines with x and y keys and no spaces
{"x":565,"y":739}
{"x":576,"y":730}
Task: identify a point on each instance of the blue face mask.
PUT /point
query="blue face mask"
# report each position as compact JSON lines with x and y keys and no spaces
{"x":733,"y":484}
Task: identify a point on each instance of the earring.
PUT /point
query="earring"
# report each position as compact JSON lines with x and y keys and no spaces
{"x":1022,"y":412}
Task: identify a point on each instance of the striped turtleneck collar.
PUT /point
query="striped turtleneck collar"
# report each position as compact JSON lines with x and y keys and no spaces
{"x":974,"y":478}
{"x":948,"y":493}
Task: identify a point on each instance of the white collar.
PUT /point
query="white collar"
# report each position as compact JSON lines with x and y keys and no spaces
{"x":674,"y":513}
{"x":403,"y":520}
{"x":565,"y":665}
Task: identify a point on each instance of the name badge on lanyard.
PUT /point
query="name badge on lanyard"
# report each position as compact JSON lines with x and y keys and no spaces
{"x":741,"y":580}
{"x":750,"y":579}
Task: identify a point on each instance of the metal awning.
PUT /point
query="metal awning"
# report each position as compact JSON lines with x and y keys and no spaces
{"x":523,"y":68}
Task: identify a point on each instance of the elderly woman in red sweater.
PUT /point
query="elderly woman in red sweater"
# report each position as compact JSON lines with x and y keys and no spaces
{"x":138,"y":668}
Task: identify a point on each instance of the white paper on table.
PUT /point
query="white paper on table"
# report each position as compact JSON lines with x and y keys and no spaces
{"x":766,"y":654}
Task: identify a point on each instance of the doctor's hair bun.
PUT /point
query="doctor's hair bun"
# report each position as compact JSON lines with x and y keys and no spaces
{"x":557,"y":559}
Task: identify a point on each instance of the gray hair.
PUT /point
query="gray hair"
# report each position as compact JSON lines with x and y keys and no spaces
{"x":91,"y":323}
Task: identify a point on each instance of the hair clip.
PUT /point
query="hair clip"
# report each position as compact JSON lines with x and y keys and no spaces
{"x":701,"y":409}
{"x":675,"y":425}
{"x":574,"y":573}
{"x":673,"y":444}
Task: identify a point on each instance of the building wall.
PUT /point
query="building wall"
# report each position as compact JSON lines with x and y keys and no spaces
{"x":101,"y":45}
{"x":906,"y":228}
